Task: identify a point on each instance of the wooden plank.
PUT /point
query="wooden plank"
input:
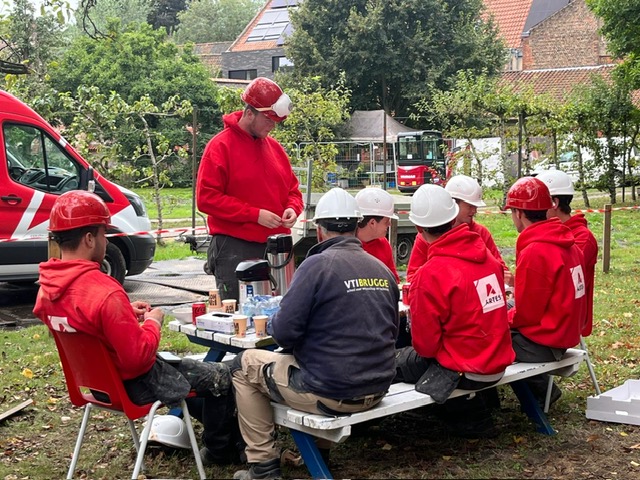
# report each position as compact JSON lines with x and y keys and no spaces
{"x":16,"y":409}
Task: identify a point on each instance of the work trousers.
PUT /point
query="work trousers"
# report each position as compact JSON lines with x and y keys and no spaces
{"x":213,"y":406}
{"x":223,"y":256}
{"x":264,"y":376}
{"x":531,"y":352}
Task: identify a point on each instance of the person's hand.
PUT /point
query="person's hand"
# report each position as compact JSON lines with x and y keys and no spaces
{"x":140,"y":308}
{"x":508,"y":278}
{"x":289,"y":218}
{"x":156,"y":315}
{"x":269,"y":219}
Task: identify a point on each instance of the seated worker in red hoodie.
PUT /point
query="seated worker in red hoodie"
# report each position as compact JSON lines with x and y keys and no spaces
{"x":459,"y":321}
{"x":550,"y":292}
{"x":468,"y":195}
{"x":376,"y":208}
{"x":75,"y":295}
{"x":561,"y":190}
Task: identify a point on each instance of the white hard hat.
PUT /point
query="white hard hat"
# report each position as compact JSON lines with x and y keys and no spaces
{"x":169,"y":430}
{"x":375,"y":202}
{"x":466,"y":189}
{"x":432,"y":206}
{"x":559,"y":183}
{"x":337,"y":204}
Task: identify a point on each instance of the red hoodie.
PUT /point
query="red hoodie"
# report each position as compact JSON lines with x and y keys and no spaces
{"x":381,"y":249}
{"x":238,"y":176}
{"x":76,"y":295}
{"x":420,"y":250}
{"x":458,"y":306}
{"x":550,"y":292}
{"x":586,"y":241}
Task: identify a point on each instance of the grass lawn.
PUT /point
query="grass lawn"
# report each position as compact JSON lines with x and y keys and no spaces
{"x":38,"y":443}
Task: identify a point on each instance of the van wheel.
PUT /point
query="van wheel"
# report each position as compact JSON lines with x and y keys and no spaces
{"x":403,"y":249}
{"x":114,"y":264}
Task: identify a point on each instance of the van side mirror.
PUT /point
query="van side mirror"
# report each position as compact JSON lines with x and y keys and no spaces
{"x":91,"y":182}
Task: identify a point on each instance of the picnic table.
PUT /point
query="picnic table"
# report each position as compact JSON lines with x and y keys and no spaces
{"x":221,"y":343}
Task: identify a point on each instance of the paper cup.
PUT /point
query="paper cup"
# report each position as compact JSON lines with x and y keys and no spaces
{"x":260,"y":321}
{"x":229,"y":305}
{"x":240,"y":325}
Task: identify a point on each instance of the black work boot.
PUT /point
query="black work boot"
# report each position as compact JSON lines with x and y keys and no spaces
{"x":263,"y":470}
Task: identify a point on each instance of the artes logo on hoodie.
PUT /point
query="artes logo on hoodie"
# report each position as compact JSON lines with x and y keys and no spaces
{"x":577,"y":275}
{"x":489,"y":293}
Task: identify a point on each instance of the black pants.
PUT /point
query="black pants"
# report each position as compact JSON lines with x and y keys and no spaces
{"x":214,"y":405}
{"x":223,"y":256}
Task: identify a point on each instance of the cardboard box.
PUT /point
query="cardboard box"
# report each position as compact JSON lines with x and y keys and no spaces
{"x":216,"y":322}
{"x":619,"y":405}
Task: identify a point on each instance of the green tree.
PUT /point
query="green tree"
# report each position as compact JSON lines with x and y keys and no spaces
{"x":95,"y":20}
{"x":391,"y":49}
{"x":214,"y":20}
{"x":164,"y":14}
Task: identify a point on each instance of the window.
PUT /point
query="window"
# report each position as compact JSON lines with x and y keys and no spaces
{"x":37,"y":161}
{"x":280,"y":62}
{"x":243,"y":74}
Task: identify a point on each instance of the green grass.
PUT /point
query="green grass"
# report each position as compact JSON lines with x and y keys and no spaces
{"x":37,"y":443}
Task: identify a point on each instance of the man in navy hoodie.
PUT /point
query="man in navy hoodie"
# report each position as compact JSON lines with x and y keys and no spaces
{"x":338,"y":322}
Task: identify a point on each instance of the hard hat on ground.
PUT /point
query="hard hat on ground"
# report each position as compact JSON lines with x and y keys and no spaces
{"x":169,"y":430}
{"x":558,"y":182}
{"x":529,"y":193}
{"x":466,"y":189}
{"x":432,"y":206}
{"x":375,"y":202}
{"x":266,"y":96}
{"x":76,"y":209}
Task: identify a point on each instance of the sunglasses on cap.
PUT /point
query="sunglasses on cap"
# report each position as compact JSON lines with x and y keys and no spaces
{"x":281,"y":108}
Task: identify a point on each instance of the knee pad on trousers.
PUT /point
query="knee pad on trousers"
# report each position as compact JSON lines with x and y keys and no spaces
{"x":236,"y":363}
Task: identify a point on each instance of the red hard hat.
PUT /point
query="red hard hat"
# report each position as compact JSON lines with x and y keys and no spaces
{"x":529,"y":193}
{"x":266,"y":96}
{"x":76,"y":209}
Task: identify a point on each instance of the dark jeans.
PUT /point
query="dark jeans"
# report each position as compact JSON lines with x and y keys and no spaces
{"x":214,"y":405}
{"x":223,"y":256}
{"x":532,"y":352}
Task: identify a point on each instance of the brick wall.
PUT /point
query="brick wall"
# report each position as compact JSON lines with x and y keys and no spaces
{"x":567,"y":39}
{"x":248,"y":60}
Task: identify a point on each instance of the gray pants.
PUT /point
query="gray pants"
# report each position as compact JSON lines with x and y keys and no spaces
{"x":531,"y":352}
{"x":223,"y":256}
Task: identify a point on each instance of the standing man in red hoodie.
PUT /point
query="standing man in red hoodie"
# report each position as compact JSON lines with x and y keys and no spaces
{"x":561,"y":190}
{"x":246,"y":185}
{"x":75,"y":296}
{"x":459,"y":321}
{"x":550,"y":291}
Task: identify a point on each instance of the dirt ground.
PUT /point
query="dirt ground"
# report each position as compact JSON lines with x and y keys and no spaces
{"x":409,"y":445}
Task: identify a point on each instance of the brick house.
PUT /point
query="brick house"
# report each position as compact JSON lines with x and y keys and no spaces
{"x":258,"y":51}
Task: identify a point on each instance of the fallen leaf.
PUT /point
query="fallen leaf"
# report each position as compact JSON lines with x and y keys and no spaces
{"x":627,"y":315}
{"x":27,"y":373}
{"x":386,"y":446}
{"x":36,"y":336}
{"x":446,"y":458}
{"x":624,"y":434}
{"x":636,"y":446}
{"x":52,"y":401}
{"x":635,"y":464}
{"x":518,"y":439}
{"x":592,"y":438}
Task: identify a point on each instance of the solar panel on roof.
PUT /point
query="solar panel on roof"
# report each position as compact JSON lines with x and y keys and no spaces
{"x":270,"y":26}
{"x":283,"y":3}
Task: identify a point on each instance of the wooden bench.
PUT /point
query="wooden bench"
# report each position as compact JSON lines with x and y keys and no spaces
{"x":402,"y":397}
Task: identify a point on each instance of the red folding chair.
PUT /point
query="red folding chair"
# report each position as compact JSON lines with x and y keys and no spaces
{"x":88,"y":369}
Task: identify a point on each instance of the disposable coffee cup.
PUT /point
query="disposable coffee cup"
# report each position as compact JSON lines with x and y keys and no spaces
{"x":229,"y":305}
{"x":260,"y":322}
{"x":214,"y":301}
{"x":240,"y":325}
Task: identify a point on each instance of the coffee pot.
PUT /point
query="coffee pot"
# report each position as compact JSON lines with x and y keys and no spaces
{"x":281,"y":261}
{"x":254,"y":278}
